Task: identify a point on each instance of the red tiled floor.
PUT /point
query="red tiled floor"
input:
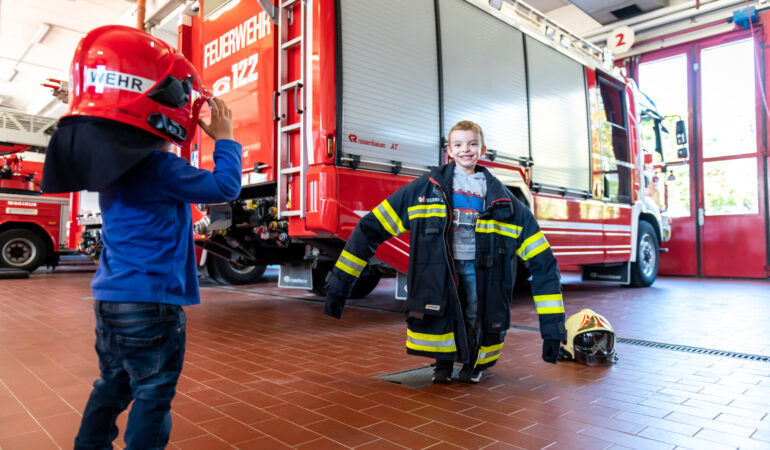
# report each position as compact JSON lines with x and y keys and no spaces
{"x":252,"y":380}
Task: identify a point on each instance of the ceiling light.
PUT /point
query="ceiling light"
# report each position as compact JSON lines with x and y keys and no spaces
{"x":40,"y":33}
{"x":8,"y":75}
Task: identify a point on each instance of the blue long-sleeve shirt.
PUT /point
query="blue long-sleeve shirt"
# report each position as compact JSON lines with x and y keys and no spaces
{"x":148,"y":253}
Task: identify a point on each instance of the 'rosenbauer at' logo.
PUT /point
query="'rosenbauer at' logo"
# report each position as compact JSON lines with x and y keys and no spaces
{"x":354,"y":139}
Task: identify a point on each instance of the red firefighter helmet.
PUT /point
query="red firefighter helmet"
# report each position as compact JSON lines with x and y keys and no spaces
{"x":124,"y":74}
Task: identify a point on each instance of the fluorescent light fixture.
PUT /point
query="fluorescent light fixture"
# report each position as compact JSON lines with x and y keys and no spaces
{"x":40,"y":33}
{"x":550,"y":32}
{"x":8,"y":75}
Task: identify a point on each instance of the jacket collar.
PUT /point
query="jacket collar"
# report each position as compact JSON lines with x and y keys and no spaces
{"x":498,"y":199}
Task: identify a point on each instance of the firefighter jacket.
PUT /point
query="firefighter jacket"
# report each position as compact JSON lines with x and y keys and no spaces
{"x":504,"y":230}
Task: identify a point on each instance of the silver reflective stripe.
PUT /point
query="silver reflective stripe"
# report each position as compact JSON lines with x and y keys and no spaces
{"x":350,"y":263}
{"x":526,"y":250}
{"x":549,"y":304}
{"x":487,"y":355}
{"x":435,"y":210}
{"x":426,"y":343}
{"x":386,"y":215}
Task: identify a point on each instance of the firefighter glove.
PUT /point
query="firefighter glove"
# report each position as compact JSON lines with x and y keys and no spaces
{"x":550,"y":350}
{"x":334,"y":304}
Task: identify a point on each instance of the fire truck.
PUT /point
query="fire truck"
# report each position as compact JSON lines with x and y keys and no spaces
{"x":33,"y":227}
{"x":340,"y":103}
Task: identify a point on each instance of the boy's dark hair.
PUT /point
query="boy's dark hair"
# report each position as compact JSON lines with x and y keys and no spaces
{"x":467,"y":125}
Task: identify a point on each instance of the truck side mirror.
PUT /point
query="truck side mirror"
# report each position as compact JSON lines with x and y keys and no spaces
{"x":682,"y":153}
{"x":681,"y":132}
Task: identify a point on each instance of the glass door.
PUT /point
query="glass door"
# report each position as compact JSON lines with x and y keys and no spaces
{"x":730,"y":214}
{"x":717,"y":200}
{"x":664,"y":78}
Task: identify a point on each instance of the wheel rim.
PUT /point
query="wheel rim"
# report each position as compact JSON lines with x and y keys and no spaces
{"x":19,"y":252}
{"x":647,"y":255}
{"x":245,"y":271}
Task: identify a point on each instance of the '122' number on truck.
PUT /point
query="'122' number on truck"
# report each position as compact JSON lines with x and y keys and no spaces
{"x":240,"y":77}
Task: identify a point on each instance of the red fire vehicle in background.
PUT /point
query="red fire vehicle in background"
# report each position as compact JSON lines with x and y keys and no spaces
{"x":33,"y":227}
{"x":338,"y":103}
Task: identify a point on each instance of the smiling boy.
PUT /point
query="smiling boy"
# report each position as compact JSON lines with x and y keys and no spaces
{"x":466,"y":229}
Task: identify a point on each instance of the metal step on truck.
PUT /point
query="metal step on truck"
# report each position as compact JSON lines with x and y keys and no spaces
{"x":338,"y":103}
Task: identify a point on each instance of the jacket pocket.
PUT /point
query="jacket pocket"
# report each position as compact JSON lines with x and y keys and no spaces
{"x":427,"y":288}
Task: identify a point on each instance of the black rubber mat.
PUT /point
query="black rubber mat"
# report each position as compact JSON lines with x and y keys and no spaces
{"x":415,"y":378}
{"x":6,"y":274}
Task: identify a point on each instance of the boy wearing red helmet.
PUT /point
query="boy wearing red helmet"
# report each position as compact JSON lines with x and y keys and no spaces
{"x":132,"y":96}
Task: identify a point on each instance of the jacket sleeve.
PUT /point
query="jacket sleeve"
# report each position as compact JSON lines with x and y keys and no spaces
{"x":187,"y":184}
{"x":535,"y":251}
{"x":388,"y":219}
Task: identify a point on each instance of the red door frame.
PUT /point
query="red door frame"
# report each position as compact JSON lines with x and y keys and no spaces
{"x":714,"y":257}
{"x":685,"y":256}
{"x":683,"y":253}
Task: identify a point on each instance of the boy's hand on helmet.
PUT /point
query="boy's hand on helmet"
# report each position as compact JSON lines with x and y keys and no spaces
{"x":221,"y":122}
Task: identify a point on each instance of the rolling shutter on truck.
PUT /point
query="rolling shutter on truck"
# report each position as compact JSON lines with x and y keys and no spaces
{"x":484,"y":77}
{"x":559,"y":119}
{"x":390,"y":107}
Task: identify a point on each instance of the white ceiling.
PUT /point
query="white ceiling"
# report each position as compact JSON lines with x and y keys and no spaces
{"x":69,"y":20}
{"x":37,"y":60}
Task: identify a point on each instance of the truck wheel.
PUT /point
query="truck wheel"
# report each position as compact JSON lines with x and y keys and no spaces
{"x":21,"y":249}
{"x":366,"y":283}
{"x":320,"y":272}
{"x":224,"y":272}
{"x":645,"y":269}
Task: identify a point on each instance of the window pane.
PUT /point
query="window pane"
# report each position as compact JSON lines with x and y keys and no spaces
{"x":665,"y":82}
{"x":678,"y":191}
{"x":729,"y":118}
{"x":730,"y":187}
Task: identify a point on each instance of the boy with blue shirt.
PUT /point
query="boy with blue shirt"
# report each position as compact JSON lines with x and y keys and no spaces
{"x":466,"y":231}
{"x":116,"y":139}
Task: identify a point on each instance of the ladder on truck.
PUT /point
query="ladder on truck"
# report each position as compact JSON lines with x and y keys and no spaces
{"x":288,"y":168}
{"x":532,"y":20}
{"x":25,"y":129}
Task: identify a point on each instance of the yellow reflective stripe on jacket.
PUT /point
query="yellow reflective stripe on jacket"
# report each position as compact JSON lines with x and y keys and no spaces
{"x":389,"y":219}
{"x":494,"y":226}
{"x":489,"y":354}
{"x":442,"y":343}
{"x":350,"y":263}
{"x":549,"y":304}
{"x":430,"y":210}
{"x":533,"y":246}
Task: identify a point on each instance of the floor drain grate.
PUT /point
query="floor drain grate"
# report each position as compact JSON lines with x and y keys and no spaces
{"x":414,"y":378}
{"x":696,"y":350}
{"x":678,"y":348}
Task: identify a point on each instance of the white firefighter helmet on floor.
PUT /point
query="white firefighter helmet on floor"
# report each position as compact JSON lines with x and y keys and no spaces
{"x":590,"y":339}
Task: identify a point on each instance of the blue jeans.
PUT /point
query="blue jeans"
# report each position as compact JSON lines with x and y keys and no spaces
{"x":141,"y":351}
{"x":466,"y":274}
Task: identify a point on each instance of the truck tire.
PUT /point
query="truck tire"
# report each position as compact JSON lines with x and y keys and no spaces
{"x":224,"y":272}
{"x":363,"y":286}
{"x":645,"y":269}
{"x":21,"y":249}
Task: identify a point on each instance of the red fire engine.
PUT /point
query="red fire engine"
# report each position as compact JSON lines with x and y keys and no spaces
{"x":340,"y":103}
{"x":33,"y":227}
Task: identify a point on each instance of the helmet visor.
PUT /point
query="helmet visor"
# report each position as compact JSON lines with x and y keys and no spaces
{"x":595,"y":348}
